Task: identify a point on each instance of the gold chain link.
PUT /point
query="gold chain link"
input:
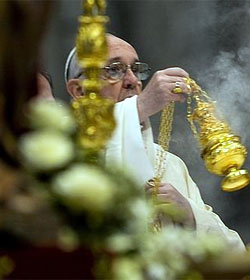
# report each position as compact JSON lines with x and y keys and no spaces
{"x":195,"y":93}
{"x":165,"y":130}
{"x":163,"y":140}
{"x":190,"y":116}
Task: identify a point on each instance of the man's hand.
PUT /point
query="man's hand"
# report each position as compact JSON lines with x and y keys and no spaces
{"x":158,"y":92}
{"x":168,"y":194}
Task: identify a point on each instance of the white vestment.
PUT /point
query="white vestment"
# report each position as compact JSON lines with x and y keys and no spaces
{"x":132,"y":148}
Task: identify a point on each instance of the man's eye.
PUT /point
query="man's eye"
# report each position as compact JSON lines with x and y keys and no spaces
{"x":114,"y":68}
{"x":135,"y":68}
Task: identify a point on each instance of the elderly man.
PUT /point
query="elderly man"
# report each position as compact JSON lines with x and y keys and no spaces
{"x":132,"y":143}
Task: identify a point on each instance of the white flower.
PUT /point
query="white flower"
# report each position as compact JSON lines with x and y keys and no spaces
{"x":84,"y":187}
{"x":140,"y":209}
{"x":212,"y":244}
{"x":176,"y":248}
{"x":127,"y":268}
{"x":45,"y":150}
{"x":140,"y":212}
{"x":67,"y":239}
{"x":156,"y":271}
{"x":120,"y":243}
{"x":51,"y":114}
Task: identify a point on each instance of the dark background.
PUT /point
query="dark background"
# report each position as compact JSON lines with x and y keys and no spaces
{"x":209,"y":39}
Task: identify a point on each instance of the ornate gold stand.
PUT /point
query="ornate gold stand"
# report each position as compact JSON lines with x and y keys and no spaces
{"x":222,"y":151}
{"x":93,"y":113}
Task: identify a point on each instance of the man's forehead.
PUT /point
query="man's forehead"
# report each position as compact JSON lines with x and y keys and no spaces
{"x":119,"y":48}
{"x":113,"y":40}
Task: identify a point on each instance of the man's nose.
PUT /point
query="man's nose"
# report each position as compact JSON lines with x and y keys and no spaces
{"x":130,"y":80}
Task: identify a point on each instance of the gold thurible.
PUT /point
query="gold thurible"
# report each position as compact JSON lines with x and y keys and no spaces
{"x":94,"y":114}
{"x":221,"y":150}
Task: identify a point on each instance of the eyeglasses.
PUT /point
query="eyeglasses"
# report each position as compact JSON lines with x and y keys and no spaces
{"x":116,"y":70}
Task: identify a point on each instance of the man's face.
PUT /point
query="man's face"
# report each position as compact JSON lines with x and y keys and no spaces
{"x":129,"y":85}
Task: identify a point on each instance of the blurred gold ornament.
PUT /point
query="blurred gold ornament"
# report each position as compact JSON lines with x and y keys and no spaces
{"x":6,"y":265}
{"x":94,"y":114}
{"x":222,"y":151}
{"x":95,"y":120}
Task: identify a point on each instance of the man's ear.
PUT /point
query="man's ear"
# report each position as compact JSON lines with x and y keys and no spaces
{"x":74,"y":89}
